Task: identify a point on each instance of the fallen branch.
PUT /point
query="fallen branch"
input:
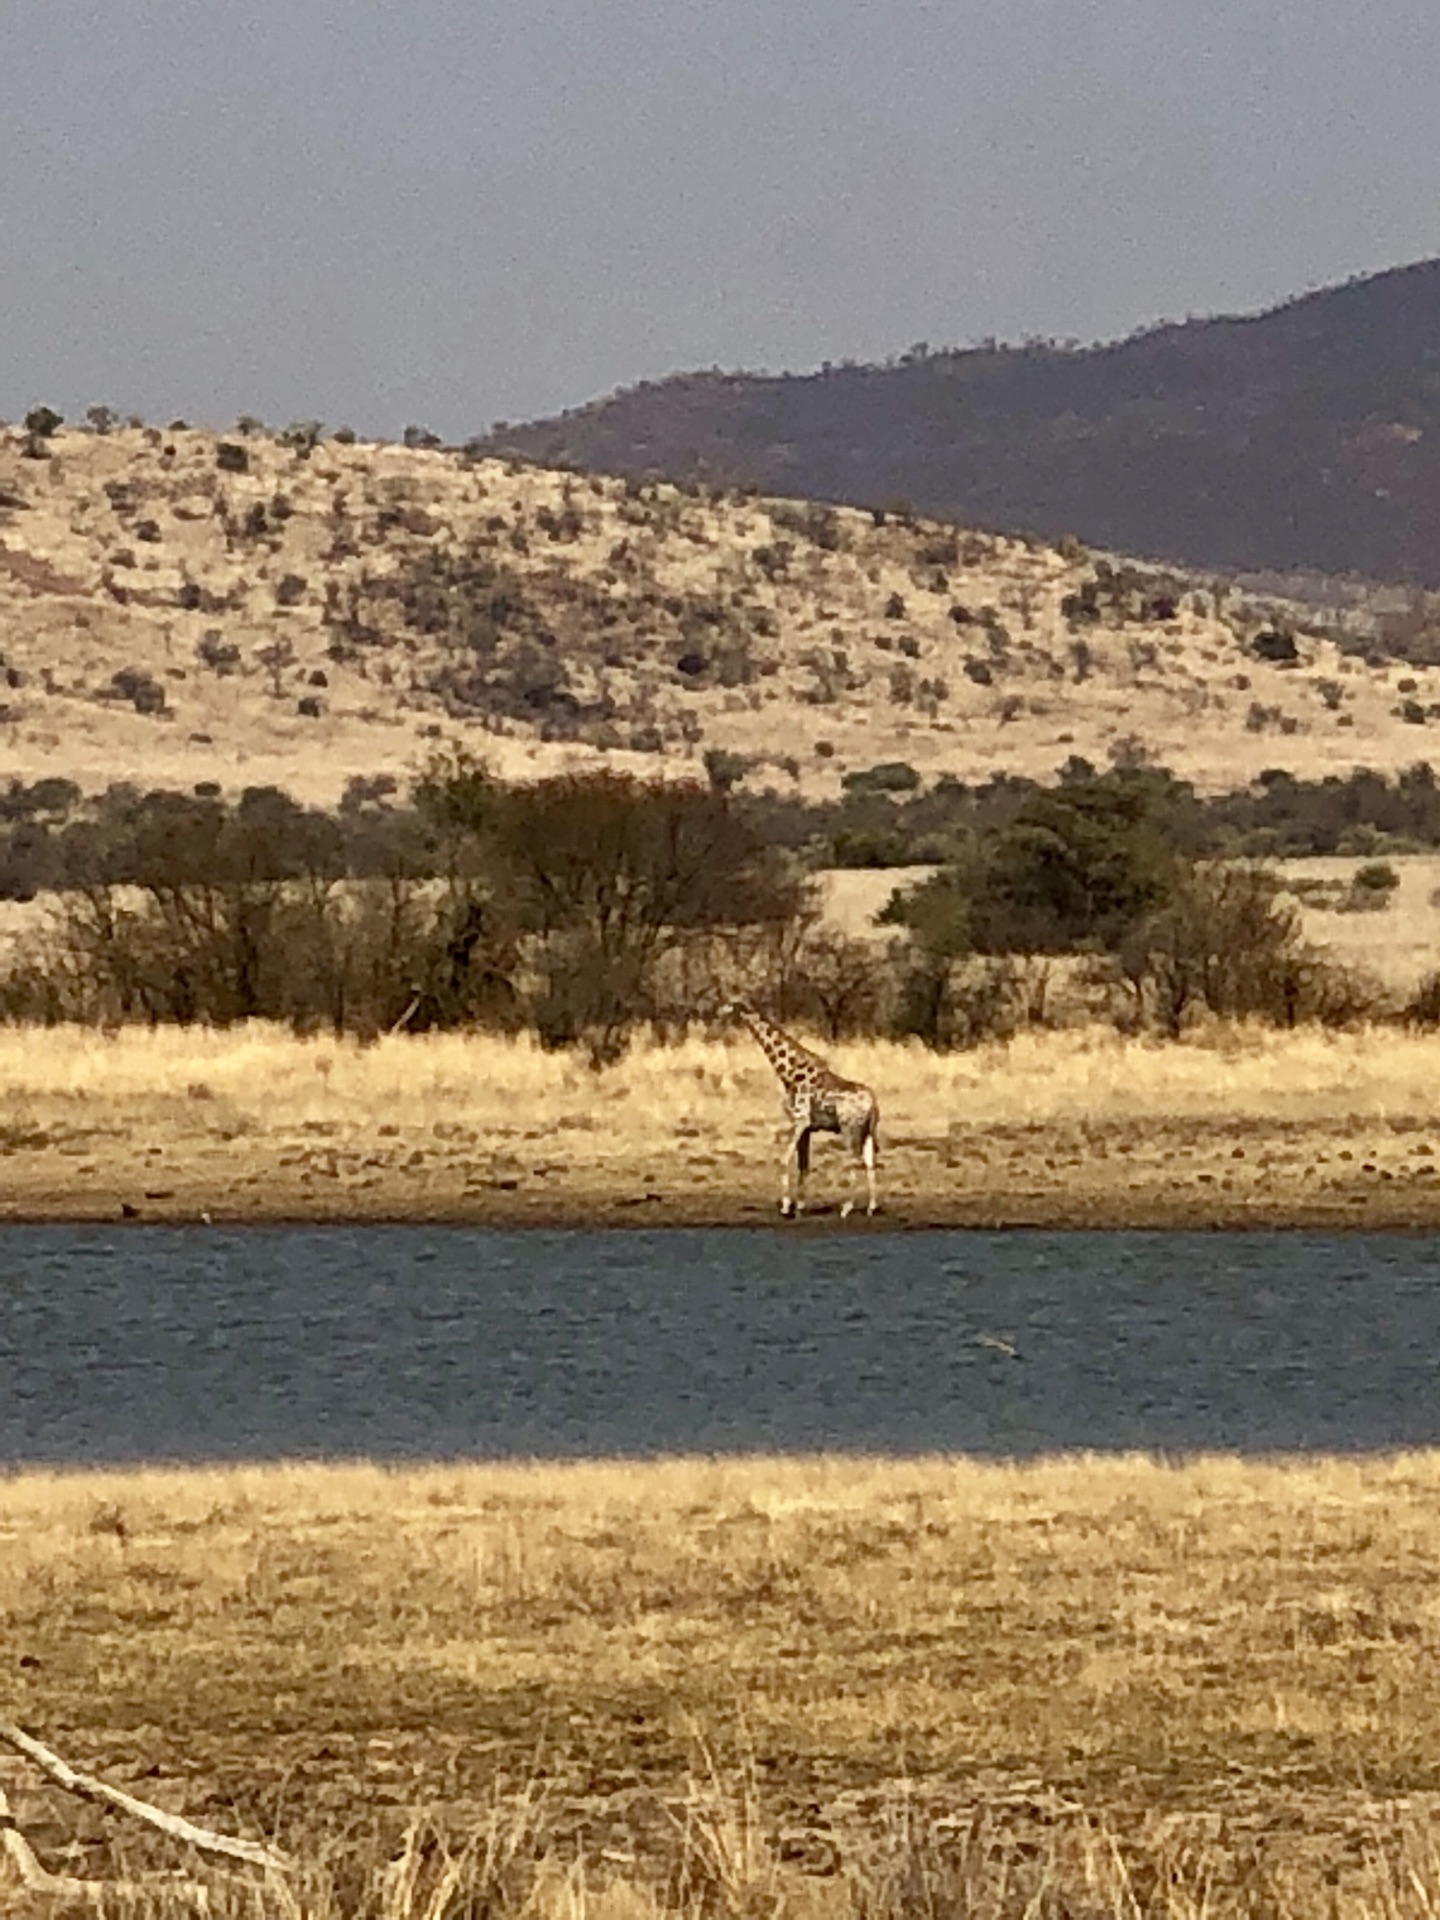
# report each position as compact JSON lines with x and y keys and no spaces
{"x":173,"y":1824}
{"x":68,"y":1887}
{"x":406,"y":1016}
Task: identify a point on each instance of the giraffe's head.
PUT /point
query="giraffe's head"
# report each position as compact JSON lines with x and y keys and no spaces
{"x":729,"y":1010}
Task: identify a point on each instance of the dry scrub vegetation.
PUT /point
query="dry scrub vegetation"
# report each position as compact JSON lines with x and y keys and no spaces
{"x":1238,"y":1124}
{"x":288,"y":609}
{"x":772,"y":1687}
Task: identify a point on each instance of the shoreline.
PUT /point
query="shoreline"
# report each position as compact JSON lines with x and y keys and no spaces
{"x":1364,"y":1206}
{"x":1083,"y":1131}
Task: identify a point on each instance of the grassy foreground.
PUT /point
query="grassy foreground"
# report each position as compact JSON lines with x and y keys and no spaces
{"x":1238,"y":1126}
{"x":1083,"y":1686}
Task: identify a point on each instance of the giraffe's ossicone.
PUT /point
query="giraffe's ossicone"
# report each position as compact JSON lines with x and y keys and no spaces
{"x":817,"y":1100}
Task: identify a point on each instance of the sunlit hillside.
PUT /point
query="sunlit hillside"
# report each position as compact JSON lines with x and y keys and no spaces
{"x":179,"y":606}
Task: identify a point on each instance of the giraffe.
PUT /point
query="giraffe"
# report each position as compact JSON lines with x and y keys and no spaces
{"x":817,"y":1100}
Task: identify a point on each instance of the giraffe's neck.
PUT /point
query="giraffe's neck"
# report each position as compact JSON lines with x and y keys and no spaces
{"x":785,"y":1055}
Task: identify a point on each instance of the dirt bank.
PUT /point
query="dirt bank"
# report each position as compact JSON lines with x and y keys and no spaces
{"x":1026,"y":1176}
{"x":1056,"y":1130}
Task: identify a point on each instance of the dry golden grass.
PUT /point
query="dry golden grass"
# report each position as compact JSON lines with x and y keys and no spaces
{"x":262,"y":1074}
{"x":1398,"y":944}
{"x":124,"y":551}
{"x":1234,"y":1125}
{"x":1101,"y":1686}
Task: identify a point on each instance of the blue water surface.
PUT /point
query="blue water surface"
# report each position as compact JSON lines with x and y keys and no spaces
{"x":403,"y":1343}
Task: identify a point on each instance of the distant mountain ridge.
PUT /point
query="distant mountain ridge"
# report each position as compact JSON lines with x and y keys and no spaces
{"x":1306,"y":437}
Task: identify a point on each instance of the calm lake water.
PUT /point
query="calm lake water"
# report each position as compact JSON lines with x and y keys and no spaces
{"x":408,"y":1343}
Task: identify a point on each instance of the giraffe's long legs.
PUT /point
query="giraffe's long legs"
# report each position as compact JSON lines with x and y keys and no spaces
{"x":798,"y":1149}
{"x":864,"y":1157}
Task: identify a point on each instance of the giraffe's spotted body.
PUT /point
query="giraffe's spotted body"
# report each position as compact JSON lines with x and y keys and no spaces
{"x":817,"y":1100}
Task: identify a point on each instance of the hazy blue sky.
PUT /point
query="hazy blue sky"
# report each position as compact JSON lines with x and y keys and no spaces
{"x":449,"y":211}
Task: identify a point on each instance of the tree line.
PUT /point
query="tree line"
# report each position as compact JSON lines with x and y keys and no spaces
{"x":567,"y":906}
{"x":886,"y":816}
{"x":585,"y":906}
{"x":53,"y":837}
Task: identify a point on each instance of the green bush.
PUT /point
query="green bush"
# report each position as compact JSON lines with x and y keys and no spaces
{"x":302,"y":436}
{"x":1374,"y":883}
{"x":891,"y":776}
{"x":1077,"y":865}
{"x":724,"y":769}
{"x":1276,"y":645}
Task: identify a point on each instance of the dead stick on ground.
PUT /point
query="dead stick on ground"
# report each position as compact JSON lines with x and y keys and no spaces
{"x":405,"y":1017}
{"x":69,"y":1888}
{"x":178,"y":1828}
{"x":33,"y":1877}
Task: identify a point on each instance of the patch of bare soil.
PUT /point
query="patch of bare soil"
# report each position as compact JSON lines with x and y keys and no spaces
{"x":1123,"y":1176}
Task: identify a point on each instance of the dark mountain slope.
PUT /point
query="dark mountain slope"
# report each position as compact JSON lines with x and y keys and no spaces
{"x":1307,"y":437}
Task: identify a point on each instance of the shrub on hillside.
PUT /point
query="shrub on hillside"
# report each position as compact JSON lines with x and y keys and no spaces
{"x":141,"y":689}
{"x":302,"y":437}
{"x":1276,"y":645}
{"x":1372,"y":886}
{"x":891,"y":776}
{"x":213,"y":650}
